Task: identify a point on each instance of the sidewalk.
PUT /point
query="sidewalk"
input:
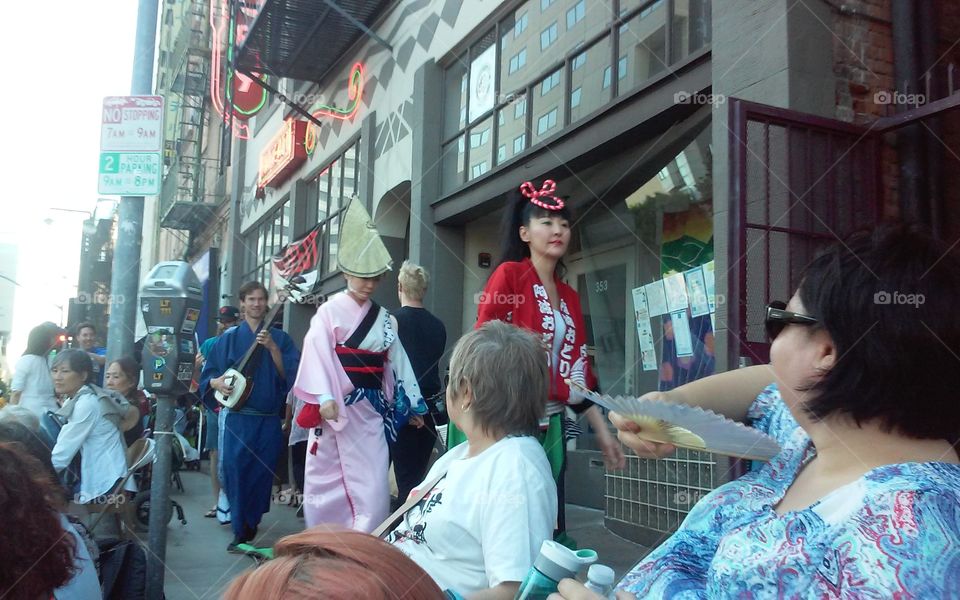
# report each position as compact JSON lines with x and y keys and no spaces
{"x":199,"y":566}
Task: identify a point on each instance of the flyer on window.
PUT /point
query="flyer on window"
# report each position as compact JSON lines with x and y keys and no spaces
{"x":675,"y":287}
{"x":681,"y":333}
{"x":696,"y":290}
{"x":656,"y":298}
{"x":709,"y":285}
{"x":648,"y":354}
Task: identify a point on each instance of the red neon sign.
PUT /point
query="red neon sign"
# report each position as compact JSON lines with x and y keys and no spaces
{"x":283,"y":155}
{"x":247,"y":96}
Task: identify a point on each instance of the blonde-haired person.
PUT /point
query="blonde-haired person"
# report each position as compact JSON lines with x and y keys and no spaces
{"x":478,"y":530}
{"x":425,"y":338}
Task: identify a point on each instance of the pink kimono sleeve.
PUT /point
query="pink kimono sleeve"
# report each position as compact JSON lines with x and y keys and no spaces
{"x":321,"y":377}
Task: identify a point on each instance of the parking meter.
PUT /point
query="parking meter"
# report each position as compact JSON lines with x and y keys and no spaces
{"x":170,"y":300}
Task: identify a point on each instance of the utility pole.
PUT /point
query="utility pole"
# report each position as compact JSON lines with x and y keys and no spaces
{"x":125,"y":272}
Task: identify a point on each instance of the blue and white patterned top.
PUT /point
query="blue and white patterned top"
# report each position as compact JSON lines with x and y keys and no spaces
{"x":893,"y":533}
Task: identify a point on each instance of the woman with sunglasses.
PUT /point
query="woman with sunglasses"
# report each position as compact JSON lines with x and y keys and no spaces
{"x":864,"y":498}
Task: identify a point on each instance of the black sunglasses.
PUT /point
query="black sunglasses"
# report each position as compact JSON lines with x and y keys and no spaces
{"x":778,"y":318}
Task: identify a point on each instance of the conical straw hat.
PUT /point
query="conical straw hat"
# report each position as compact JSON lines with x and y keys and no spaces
{"x":361,"y":252}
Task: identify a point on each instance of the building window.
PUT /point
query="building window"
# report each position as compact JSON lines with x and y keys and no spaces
{"x":518,"y":61}
{"x":547,"y":122}
{"x":545,"y":4}
{"x":520,"y":108}
{"x":622,"y":67}
{"x":336,"y":184}
{"x":267,"y":239}
{"x":479,"y":138}
{"x":548,"y":36}
{"x":549,"y":83}
{"x":519,"y":142}
{"x":578,"y":61}
{"x":575,"y":98}
{"x":607,"y":77}
{"x":479,"y":169}
{"x":520,"y":26}
{"x":576,"y":13}
{"x":501,"y":153}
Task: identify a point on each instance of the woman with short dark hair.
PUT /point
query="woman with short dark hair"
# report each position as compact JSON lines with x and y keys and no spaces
{"x":123,"y":377}
{"x":92,"y":428}
{"x":864,"y":498}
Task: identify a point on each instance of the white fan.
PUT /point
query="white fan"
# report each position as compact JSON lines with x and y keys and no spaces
{"x":686,"y":426}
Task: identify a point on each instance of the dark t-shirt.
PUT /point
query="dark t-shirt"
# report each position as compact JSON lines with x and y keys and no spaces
{"x":424,"y":338}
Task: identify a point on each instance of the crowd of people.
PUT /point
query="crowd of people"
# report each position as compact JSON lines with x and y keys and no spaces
{"x":863,"y":499}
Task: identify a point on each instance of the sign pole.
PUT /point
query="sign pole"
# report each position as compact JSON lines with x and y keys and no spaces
{"x":125,"y":272}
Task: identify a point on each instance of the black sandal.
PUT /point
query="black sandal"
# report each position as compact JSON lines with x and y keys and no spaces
{"x":212,"y":513}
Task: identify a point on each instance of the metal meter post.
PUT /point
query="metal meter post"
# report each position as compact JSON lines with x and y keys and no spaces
{"x":170,"y":300}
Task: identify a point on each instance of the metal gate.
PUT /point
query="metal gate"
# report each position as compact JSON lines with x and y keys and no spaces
{"x":797,"y":182}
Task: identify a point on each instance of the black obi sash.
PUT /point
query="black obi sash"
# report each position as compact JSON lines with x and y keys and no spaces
{"x":363,"y":367}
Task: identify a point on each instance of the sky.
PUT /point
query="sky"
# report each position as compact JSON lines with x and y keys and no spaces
{"x":62,"y":59}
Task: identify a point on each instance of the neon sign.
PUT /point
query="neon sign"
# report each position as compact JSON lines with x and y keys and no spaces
{"x":354,"y":94}
{"x":247,"y":97}
{"x":283,"y":155}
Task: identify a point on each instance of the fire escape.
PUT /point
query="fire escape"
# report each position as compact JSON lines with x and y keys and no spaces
{"x":192,"y":188}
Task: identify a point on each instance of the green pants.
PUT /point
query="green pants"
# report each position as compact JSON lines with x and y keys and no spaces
{"x":551,"y":440}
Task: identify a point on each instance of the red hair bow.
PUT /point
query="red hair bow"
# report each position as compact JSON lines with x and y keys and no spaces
{"x":544,"y":193}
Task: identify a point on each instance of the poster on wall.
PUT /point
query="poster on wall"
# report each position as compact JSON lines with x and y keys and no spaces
{"x":482,"y":88}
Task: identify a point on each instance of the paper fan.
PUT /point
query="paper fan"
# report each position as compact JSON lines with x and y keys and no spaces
{"x":685,"y":426}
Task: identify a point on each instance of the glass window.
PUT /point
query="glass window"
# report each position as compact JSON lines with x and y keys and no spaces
{"x":517,"y":62}
{"x":578,"y":60}
{"x":607,"y":77}
{"x":596,"y":59}
{"x":323,"y":194}
{"x":481,"y":148}
{"x":333,"y":241}
{"x":336,"y":188}
{"x":547,"y":122}
{"x":521,"y":25}
{"x":519,"y":142}
{"x":545,"y":4}
{"x":552,"y":81}
{"x":622,"y":67}
{"x":690,"y":27}
{"x":455,"y":98}
{"x":349,"y":173}
{"x":548,"y":36}
{"x":501,"y":153}
{"x":643,"y":47}
{"x":576,"y":13}
{"x":575,"y":98}
{"x":519,"y":107}
{"x":452,"y":161}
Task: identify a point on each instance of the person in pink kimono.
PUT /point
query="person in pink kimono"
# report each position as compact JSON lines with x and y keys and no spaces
{"x":358,"y":388}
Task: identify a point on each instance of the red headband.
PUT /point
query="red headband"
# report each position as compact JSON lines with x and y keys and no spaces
{"x":546,"y":192}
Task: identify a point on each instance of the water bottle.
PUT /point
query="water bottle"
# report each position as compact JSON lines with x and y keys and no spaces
{"x":600,"y":580}
{"x":554,"y":563}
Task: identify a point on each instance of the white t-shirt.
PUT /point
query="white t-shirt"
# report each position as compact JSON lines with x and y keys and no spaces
{"x":31,"y":378}
{"x":484,"y":522}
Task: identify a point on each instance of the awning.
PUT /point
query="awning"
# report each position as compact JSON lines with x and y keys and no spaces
{"x":303,"y":39}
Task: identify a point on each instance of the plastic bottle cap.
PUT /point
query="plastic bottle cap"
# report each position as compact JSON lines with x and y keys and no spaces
{"x":601,"y":575}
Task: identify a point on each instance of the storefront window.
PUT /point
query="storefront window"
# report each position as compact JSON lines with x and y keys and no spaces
{"x":335,"y":185}
{"x":265,"y":240}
